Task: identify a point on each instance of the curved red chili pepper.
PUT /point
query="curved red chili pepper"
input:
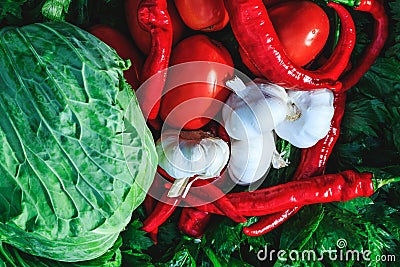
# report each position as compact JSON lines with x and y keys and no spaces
{"x":161,"y":213}
{"x":221,"y":201}
{"x":313,"y":162}
{"x":154,"y":18}
{"x":372,"y":51}
{"x":269,"y":222}
{"x":260,"y":43}
{"x":343,"y":43}
{"x":326,"y":188}
{"x":148,"y":205}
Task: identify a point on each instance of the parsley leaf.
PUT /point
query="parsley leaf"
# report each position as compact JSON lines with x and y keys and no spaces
{"x":11,"y":7}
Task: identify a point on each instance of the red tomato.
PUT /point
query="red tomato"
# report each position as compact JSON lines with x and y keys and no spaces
{"x":193,"y":104}
{"x":124,"y":48}
{"x":302,"y":27}
{"x":141,"y":37}
{"x":203,"y":15}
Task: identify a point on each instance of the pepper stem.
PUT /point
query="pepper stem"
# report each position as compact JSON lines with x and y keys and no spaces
{"x":378,"y":183}
{"x":350,"y":3}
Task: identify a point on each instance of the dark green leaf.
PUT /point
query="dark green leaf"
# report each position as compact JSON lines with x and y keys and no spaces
{"x":380,"y":243}
{"x":363,"y":117}
{"x":182,"y":257}
{"x":131,"y":258}
{"x":396,"y":135}
{"x":11,"y":7}
{"x":302,"y":227}
{"x":225,"y":240}
{"x":214,"y":259}
{"x":136,"y":239}
{"x":355,"y":205}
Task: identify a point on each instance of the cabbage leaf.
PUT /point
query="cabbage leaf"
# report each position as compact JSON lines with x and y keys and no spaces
{"x":76,"y":156}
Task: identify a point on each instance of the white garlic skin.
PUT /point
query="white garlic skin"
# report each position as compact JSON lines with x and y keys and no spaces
{"x":246,"y":114}
{"x":314,"y":122}
{"x":251,"y":159}
{"x":183,"y":158}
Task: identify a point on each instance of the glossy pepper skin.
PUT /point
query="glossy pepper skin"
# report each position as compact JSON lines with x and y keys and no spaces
{"x":372,"y":51}
{"x":163,"y":210}
{"x":313,"y":162}
{"x":222,"y":202}
{"x":342,"y":186}
{"x":260,"y":43}
{"x":193,"y":222}
{"x":153,"y":17}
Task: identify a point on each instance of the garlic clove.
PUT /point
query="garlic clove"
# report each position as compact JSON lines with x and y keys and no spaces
{"x":308,"y":117}
{"x":191,"y":153}
{"x":277,"y":98}
{"x":246,"y":114}
{"x":216,"y":154}
{"x":251,"y":159}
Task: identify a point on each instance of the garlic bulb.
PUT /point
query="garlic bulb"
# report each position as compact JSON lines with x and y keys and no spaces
{"x":246,"y":114}
{"x":184,"y":154}
{"x":300,"y":117}
{"x":251,"y":159}
{"x":308,"y":117}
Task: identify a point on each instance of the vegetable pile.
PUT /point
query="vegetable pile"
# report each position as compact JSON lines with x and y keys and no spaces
{"x":294,"y":149}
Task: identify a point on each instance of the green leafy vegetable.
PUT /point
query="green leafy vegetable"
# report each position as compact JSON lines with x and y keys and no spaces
{"x":76,"y":157}
{"x":11,"y":7}
{"x":56,"y":9}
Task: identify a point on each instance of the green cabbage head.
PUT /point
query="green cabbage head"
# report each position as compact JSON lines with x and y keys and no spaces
{"x":76,"y":157}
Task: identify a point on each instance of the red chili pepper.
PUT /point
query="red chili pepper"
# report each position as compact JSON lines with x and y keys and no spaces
{"x":153,"y":17}
{"x":372,"y":51}
{"x":343,"y":186}
{"x":341,"y":46}
{"x":269,"y":222}
{"x":212,"y":192}
{"x":260,"y":43}
{"x":148,"y":205}
{"x":193,"y":222}
{"x":313,"y":162}
{"x":163,"y":210}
